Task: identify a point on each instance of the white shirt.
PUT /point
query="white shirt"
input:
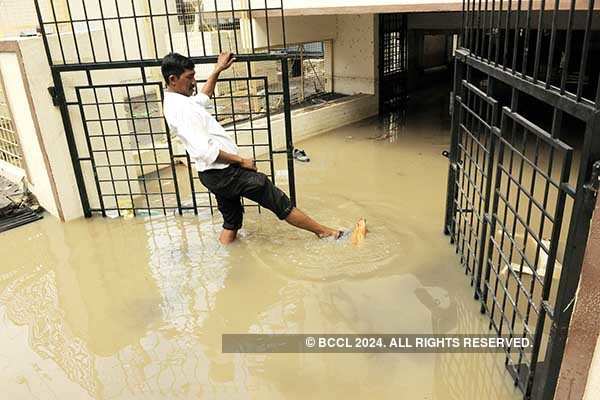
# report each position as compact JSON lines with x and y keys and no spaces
{"x":199,"y":131}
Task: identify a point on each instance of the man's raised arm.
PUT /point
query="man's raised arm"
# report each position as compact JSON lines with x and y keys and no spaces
{"x":223,"y":62}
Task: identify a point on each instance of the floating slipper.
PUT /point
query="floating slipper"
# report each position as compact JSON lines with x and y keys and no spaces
{"x":301,"y":155}
{"x":343,"y":234}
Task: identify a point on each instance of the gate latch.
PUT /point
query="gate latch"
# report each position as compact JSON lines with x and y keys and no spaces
{"x":56,"y":96}
{"x":594,"y":184}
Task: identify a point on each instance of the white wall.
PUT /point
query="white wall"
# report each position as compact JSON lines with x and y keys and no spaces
{"x":53,"y":135}
{"x":354,"y":46}
{"x":355,"y":54}
{"x":297,"y":30}
{"x":311,"y":121}
{"x":16,"y":95}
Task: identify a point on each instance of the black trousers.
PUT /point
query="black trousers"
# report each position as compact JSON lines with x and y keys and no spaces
{"x":230,"y":184}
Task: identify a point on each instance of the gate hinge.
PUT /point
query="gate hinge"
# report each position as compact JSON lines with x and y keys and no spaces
{"x":57,"y":97}
{"x":594,"y":184}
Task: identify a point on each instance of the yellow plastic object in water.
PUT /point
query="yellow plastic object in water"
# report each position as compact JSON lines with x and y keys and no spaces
{"x":359,"y":232}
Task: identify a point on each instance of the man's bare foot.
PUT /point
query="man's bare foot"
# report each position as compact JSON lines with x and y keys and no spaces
{"x":227,"y":236}
{"x":359,"y":232}
{"x":336,"y":234}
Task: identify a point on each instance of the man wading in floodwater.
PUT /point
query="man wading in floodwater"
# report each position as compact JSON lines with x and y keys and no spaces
{"x":219,"y":166}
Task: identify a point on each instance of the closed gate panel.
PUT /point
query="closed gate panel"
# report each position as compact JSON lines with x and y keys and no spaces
{"x":523,"y":173}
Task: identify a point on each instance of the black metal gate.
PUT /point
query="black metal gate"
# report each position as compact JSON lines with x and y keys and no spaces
{"x":392,"y":62}
{"x":105,"y":59}
{"x":523,"y":174}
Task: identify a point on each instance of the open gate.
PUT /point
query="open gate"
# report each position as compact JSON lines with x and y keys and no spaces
{"x":523,"y":171}
{"x":393,"y":60}
{"x":105,"y":62}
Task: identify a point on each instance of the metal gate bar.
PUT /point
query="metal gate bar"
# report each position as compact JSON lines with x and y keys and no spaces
{"x":526,"y":59}
{"x":131,"y":154}
{"x":512,"y":234}
{"x":127,"y":35}
{"x":99,"y":32}
{"x":474,"y":148}
{"x":393,"y":62}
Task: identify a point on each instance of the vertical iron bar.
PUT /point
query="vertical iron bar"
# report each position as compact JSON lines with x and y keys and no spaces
{"x":283,"y":24}
{"x":64,"y":112}
{"x":87,"y":22}
{"x":567,"y":59}
{"x":538,"y":41}
{"x":507,"y":35}
{"x":172,"y":159}
{"x":151,"y":132}
{"x":267,"y":27}
{"x":185,"y":30}
{"x":137,"y":30}
{"x":112,"y":178}
{"x":44,"y":33}
{"x":112,"y":99}
{"x":269,"y":130}
{"x":586,"y":49}
{"x":491,"y":30}
{"x":552,"y":44}
{"x":200,"y":13}
{"x":493,"y":214}
{"x":516,"y":38}
{"x":58,"y":36}
{"x":168,"y":16}
{"x":234,"y":29}
{"x":289,"y":142}
{"x":91,"y":153}
{"x":153,"y":31}
{"x":235,"y":133}
{"x":104,"y":30}
{"x":452,"y":167}
{"x":120,"y":29}
{"x":73,"y":31}
{"x":498,"y":30}
{"x":526,"y":39}
{"x":488,"y":191}
{"x":219,"y":26}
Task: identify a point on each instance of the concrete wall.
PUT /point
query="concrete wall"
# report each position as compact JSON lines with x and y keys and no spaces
{"x":311,"y":121}
{"x":53,"y":143}
{"x":593,"y":382}
{"x":354,"y":48}
{"x":355,"y":54}
{"x":40,"y":174}
{"x":580,"y":369}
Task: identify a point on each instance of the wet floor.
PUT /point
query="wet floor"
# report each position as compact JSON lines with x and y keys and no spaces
{"x":135,"y":308}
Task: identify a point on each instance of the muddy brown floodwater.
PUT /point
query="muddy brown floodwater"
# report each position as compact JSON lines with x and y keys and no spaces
{"x":135,"y":308}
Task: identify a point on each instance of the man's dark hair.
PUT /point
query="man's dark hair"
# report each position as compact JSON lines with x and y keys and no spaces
{"x":175,"y":64}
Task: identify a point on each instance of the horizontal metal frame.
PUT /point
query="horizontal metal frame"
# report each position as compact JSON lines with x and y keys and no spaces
{"x":584,"y":110}
{"x":156,"y":62}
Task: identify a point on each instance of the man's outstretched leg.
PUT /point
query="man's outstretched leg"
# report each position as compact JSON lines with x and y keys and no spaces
{"x":300,"y":220}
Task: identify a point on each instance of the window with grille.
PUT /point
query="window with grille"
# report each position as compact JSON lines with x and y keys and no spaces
{"x":186,"y":12}
{"x":10,"y":150}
